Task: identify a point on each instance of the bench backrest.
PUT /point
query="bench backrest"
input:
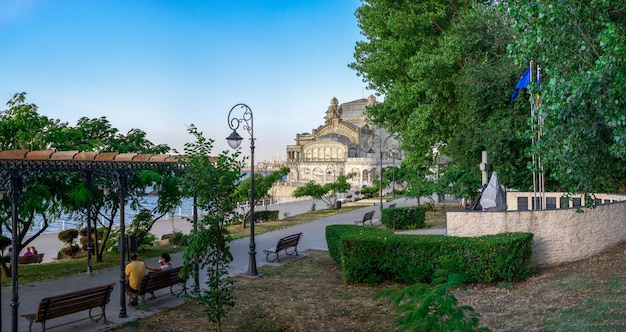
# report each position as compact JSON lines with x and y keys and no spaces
{"x":368,"y":216}
{"x":37,"y":258}
{"x":288,"y":241}
{"x":69,"y":303}
{"x":157,"y":280}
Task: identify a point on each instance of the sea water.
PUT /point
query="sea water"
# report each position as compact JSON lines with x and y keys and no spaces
{"x":149,"y":202}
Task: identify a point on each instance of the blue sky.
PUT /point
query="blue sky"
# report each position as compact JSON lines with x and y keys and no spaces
{"x":162,"y":65}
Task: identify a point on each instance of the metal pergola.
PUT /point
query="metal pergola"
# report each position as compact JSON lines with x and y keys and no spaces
{"x":16,"y":166}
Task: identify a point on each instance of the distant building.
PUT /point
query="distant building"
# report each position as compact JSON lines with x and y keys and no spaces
{"x":346,"y":143}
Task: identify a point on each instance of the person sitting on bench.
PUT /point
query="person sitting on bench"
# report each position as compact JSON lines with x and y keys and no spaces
{"x":164,"y":265}
{"x":135,"y":270}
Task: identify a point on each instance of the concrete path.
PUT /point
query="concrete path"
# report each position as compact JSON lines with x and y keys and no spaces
{"x":30,"y":294}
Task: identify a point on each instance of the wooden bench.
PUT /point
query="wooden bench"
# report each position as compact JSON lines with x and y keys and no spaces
{"x":37,"y":258}
{"x":288,"y":243}
{"x":367,"y":217}
{"x":391,"y":206}
{"x":166,"y":236}
{"x":158,"y":280}
{"x":69,"y":303}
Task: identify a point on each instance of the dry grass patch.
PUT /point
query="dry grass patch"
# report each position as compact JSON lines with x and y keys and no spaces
{"x":306,"y":295}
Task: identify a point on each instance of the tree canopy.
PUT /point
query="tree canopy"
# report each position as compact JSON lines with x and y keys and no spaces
{"x":444,"y":72}
{"x":580,"y":47}
{"x":50,"y":194}
{"x":447,"y":70}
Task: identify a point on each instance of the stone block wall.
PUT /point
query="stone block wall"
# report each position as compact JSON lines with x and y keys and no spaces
{"x":560,"y":235}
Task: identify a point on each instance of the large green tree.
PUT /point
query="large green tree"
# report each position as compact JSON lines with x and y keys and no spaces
{"x":48,"y":194}
{"x":442,"y":67}
{"x":581,"y":48}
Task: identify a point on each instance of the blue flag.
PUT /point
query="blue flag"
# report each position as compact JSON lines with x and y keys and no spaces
{"x":522,"y":83}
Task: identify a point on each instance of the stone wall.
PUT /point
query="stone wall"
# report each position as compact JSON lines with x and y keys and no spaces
{"x":563,"y":235}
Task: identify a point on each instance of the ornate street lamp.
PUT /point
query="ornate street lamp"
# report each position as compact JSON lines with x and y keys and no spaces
{"x":380,"y":160}
{"x":234,"y":140}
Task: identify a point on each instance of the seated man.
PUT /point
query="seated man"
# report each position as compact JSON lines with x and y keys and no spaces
{"x":135,"y":270}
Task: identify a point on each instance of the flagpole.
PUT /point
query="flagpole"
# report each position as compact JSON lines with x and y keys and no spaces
{"x":532,"y":150}
{"x":542,"y":179}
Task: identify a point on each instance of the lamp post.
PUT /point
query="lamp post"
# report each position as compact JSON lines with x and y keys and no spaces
{"x":393,"y":154}
{"x":380,"y":160}
{"x":234,"y":140}
{"x":371,"y":152}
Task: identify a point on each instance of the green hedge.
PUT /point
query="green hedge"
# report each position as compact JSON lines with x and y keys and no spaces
{"x":334,"y":233}
{"x":371,"y":256}
{"x":265,"y":215}
{"x":413,"y":217}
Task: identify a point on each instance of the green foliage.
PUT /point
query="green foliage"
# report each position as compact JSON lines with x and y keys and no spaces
{"x":262,"y":185}
{"x":51,"y":193}
{"x":432,"y":307}
{"x":140,"y":228}
{"x":369,"y":192}
{"x":580,"y":48}
{"x":68,"y":236}
{"x":444,"y":71}
{"x":334,"y":234}
{"x":374,"y":256}
{"x":266,"y":215}
{"x":179,"y":239}
{"x":214,"y":182}
{"x":404,"y":217}
{"x":327,"y":193}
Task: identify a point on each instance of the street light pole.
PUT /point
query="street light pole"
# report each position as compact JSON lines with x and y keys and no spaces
{"x":380,"y":161}
{"x":380,"y":184}
{"x":234,"y":140}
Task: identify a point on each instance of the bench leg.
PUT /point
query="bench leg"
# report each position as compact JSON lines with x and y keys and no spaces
{"x":102,"y":315}
{"x":267,"y":256}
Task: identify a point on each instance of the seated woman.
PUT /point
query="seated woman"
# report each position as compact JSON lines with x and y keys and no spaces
{"x":28,"y":252}
{"x":164,"y":265}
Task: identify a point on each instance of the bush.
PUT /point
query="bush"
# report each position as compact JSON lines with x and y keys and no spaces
{"x":265,"y":215}
{"x":69,"y":251}
{"x":371,"y":256}
{"x":68,"y":236}
{"x":432,"y":307}
{"x":369,"y":192}
{"x":179,"y":239}
{"x":404,"y":217}
{"x":334,"y":234}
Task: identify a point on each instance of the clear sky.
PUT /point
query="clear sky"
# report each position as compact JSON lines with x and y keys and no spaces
{"x":161,"y":65}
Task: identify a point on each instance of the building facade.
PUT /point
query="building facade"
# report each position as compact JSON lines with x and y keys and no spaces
{"x":346,"y":143}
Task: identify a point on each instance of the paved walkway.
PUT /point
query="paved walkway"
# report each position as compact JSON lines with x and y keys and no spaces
{"x":30,"y":294}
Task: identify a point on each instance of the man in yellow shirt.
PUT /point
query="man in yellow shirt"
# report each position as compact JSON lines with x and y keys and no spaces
{"x":135,"y":270}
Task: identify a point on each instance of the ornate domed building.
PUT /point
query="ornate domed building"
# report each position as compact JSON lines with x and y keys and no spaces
{"x":345,"y":143}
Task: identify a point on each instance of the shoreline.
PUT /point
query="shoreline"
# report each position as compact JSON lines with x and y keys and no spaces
{"x":49,"y":243}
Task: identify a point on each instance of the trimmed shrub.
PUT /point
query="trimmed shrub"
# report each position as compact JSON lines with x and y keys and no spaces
{"x":265,"y":215}
{"x":371,"y":256}
{"x":68,"y":236}
{"x":413,"y":217}
{"x":334,"y":234}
